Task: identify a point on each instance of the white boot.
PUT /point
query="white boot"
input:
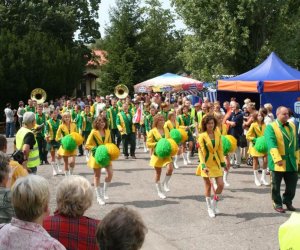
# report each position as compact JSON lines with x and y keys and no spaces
{"x":210,"y":211}
{"x":54,"y":168}
{"x":256,"y":179}
{"x":87,"y":155}
{"x":166,"y":183}
{"x":58,"y":164}
{"x":105,"y":186}
{"x":214,"y":206}
{"x":175,"y":162}
{"x":159,"y":190}
{"x":225,"y":176}
{"x":137,"y":143}
{"x":71,"y":170}
{"x":100,"y":199}
{"x":184,"y":160}
{"x":67,"y":172}
{"x":145,"y":147}
{"x":263,"y":178}
{"x":188,"y":155}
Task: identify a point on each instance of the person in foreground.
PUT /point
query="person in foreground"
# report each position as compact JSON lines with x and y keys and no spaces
{"x":121,"y":229}
{"x":30,"y":199}
{"x":68,"y":224}
{"x":6,"y":209}
{"x":211,"y":162}
{"x":283,"y":159}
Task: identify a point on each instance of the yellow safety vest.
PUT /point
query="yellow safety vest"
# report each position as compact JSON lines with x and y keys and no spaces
{"x":33,"y":157}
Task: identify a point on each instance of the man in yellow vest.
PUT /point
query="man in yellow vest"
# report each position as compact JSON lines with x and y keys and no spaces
{"x":26,"y":142}
{"x":283,"y":159}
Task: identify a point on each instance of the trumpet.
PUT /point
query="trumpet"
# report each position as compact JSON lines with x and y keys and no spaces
{"x":121,"y":91}
{"x":39,"y":95}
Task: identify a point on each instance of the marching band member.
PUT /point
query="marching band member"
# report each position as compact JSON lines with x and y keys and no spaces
{"x":112,"y":113}
{"x":169,"y":125}
{"x":30,"y":107}
{"x":99,"y":135}
{"x":257,"y":129}
{"x":127,"y":130}
{"x":283,"y":155}
{"x":211,"y":161}
{"x":165,"y":109}
{"x":149,"y":119}
{"x":85,"y":126}
{"x":145,"y":112}
{"x":155,"y":134}
{"x":223,"y":131}
{"x":76,"y":119}
{"x":66,"y":128}
{"x":185,"y":121}
{"x":52,"y":145}
{"x":41,"y":120}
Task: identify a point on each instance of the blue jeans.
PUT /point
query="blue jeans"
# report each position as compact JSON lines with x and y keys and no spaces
{"x":10,"y":129}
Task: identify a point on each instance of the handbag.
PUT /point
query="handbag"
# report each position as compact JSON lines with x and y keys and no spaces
{"x":242,"y":141}
{"x":18,"y":156}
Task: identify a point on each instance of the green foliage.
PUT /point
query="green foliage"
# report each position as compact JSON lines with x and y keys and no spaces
{"x":163,"y":148}
{"x":102,"y":156}
{"x":231,"y":37}
{"x":140,"y":43}
{"x":176,"y":135}
{"x":68,"y":143}
{"x":37,"y":46}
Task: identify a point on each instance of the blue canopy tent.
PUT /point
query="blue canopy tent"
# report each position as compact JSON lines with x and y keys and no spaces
{"x":272,"y":81}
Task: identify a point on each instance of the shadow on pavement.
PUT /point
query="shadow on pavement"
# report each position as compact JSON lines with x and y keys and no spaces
{"x":242,"y":172}
{"x":251,"y":216}
{"x":129,"y":170}
{"x":189,"y":197}
{"x":258,"y":190}
{"x":147,"y":203}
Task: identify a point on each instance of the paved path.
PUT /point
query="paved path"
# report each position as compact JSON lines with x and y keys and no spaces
{"x":181,"y":221}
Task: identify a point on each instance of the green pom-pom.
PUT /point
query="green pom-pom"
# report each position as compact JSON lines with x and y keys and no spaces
{"x":68,"y":143}
{"x":163,"y":148}
{"x":261,"y":145}
{"x":102,"y":156}
{"x":226,"y":145}
{"x":176,"y":135}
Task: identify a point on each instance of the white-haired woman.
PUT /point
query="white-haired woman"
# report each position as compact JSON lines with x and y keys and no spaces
{"x":66,"y":128}
{"x":26,"y":142}
{"x":68,"y":224}
{"x":30,"y":199}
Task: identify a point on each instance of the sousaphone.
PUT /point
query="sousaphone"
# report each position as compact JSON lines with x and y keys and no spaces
{"x":121,"y":91}
{"x":39,"y":95}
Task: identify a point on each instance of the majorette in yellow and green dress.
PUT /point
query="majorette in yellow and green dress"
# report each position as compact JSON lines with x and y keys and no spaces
{"x":255,"y":131}
{"x":152,"y":138}
{"x":95,"y":140}
{"x":62,"y":131}
{"x":211,"y":155}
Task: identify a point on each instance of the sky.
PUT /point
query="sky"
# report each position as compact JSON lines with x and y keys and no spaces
{"x":104,"y":15}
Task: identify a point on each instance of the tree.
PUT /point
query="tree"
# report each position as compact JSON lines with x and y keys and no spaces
{"x":141,"y":43}
{"x":229,"y":37}
{"x":37,"y":45}
{"x":120,"y":41}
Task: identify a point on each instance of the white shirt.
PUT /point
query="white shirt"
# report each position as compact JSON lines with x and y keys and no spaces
{"x":9,"y":115}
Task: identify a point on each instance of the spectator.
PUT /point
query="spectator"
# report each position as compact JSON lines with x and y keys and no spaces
{"x":26,"y":142}
{"x":16,"y":168}
{"x":6,"y":209}
{"x":270,"y":117}
{"x":121,"y":229}
{"x":68,"y":224}
{"x":235,"y":123}
{"x":30,"y":200}
{"x":20,"y":113}
{"x":9,"y":114}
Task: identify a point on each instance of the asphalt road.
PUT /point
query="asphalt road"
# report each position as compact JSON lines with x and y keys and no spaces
{"x":247,"y":219}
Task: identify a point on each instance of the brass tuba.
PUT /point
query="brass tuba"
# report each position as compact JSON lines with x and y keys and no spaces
{"x":121,"y":91}
{"x":39,"y":95}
